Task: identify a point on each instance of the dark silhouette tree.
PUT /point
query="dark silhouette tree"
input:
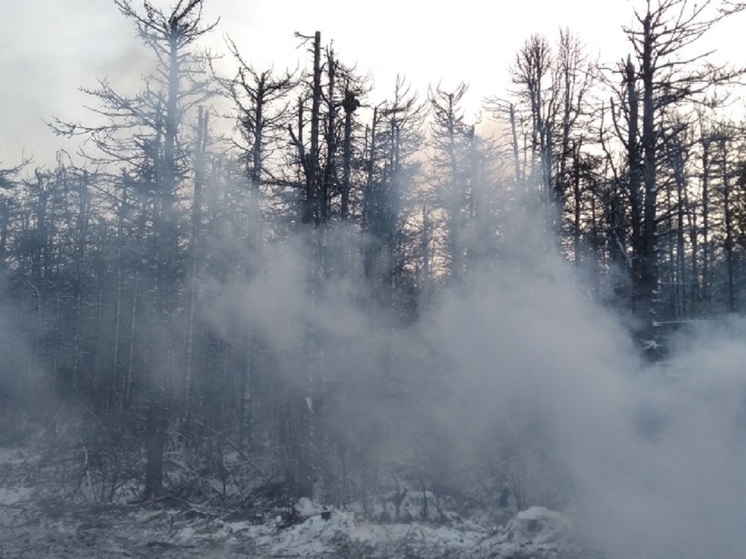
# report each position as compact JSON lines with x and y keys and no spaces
{"x":661,"y":76}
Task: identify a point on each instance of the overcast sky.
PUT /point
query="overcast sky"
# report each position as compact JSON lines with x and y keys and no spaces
{"x":49,"y":48}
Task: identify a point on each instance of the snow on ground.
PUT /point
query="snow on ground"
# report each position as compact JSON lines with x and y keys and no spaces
{"x":535,"y":533}
{"x":133,"y":531}
{"x":12,"y":489}
{"x":34,"y":527}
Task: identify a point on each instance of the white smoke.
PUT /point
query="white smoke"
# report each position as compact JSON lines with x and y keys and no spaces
{"x":649,"y":458}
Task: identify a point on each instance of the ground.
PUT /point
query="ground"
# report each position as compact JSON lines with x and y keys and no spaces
{"x":35,"y":527}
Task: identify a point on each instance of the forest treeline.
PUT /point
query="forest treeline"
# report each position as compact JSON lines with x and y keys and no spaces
{"x":124,"y":266}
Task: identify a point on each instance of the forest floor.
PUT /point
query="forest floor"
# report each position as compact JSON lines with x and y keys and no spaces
{"x":35,"y":527}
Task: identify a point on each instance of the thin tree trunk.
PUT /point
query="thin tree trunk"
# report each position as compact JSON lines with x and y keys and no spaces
{"x":729,"y":242}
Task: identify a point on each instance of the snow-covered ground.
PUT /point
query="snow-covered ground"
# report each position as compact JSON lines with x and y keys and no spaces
{"x":116,"y":531}
{"x":36,"y":527}
{"x":39,"y":530}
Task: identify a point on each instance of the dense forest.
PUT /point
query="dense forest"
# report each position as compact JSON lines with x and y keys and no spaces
{"x":235,"y":308}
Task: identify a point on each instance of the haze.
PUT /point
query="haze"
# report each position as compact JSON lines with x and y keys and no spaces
{"x":365,"y":298}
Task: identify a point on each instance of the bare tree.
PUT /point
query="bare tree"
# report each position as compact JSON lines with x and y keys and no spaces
{"x":661,"y":76}
{"x":146,"y":132}
{"x":450,"y":137}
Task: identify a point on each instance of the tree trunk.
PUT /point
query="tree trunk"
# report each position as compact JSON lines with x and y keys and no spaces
{"x":156,"y":439}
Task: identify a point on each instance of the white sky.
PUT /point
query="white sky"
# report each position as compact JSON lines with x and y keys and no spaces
{"x":49,"y":48}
